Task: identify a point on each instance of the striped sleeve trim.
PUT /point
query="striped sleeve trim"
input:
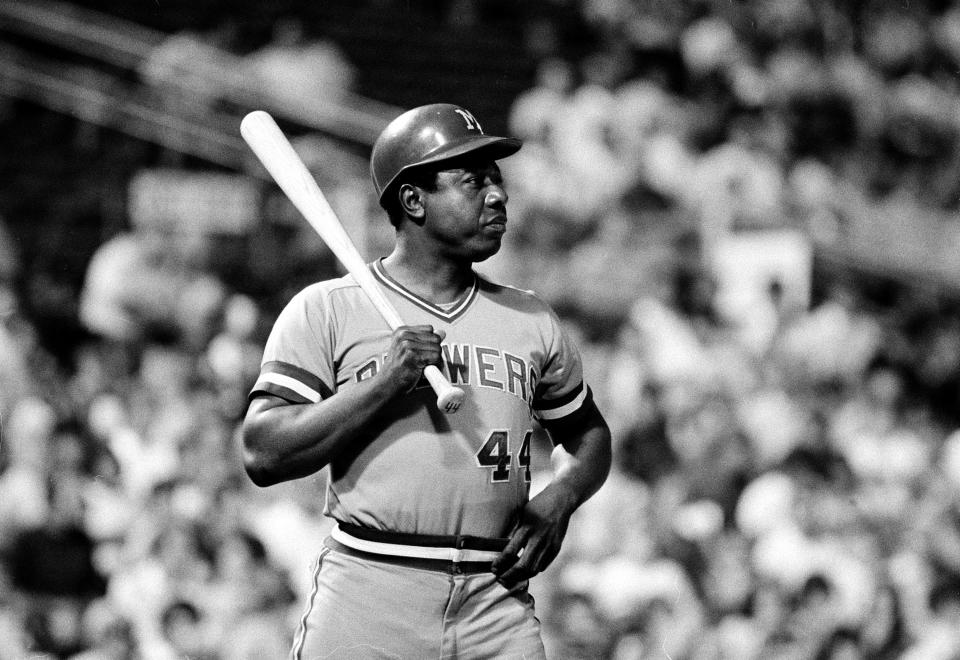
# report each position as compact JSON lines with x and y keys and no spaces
{"x":290,"y":382}
{"x":569,"y":403}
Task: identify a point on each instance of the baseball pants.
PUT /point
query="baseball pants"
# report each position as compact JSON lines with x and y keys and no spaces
{"x":367,"y":606}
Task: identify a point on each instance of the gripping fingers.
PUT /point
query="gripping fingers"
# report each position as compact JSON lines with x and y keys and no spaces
{"x":515,"y":562}
{"x":422,"y":343}
{"x":528,"y":553}
{"x":518,"y":572}
{"x":413,"y":348}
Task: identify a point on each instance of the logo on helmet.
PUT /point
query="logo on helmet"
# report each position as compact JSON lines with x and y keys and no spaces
{"x":472,"y":123}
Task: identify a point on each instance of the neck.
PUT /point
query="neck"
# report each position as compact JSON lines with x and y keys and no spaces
{"x":431,"y":276}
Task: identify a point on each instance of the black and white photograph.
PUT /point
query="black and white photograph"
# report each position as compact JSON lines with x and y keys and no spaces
{"x":480,"y":330}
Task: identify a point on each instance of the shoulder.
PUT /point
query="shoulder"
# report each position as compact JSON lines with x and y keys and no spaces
{"x":317,"y":301}
{"x":523,"y":299}
{"x":320,"y":293}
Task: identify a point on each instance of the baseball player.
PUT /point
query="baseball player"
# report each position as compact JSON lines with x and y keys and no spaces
{"x":435,"y":536}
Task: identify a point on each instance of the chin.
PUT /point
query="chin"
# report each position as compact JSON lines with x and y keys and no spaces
{"x":483,"y":254}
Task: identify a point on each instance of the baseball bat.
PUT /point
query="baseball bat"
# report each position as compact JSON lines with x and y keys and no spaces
{"x":271,"y":146}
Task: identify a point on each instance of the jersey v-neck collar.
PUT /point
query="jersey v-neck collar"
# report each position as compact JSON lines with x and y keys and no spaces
{"x":450,"y":314}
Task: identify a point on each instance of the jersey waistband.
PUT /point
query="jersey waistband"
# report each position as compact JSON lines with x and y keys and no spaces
{"x":455,"y":549}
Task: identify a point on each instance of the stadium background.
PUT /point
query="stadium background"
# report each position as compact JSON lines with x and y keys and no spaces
{"x":746,"y":211}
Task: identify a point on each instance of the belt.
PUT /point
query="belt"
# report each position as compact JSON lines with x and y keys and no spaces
{"x":454,"y":554}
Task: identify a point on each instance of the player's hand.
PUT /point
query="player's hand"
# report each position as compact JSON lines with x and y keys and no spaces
{"x":412,"y":347}
{"x":537,"y":538}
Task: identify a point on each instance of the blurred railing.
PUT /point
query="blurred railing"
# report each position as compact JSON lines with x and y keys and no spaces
{"x":95,"y":97}
{"x":121,"y":98}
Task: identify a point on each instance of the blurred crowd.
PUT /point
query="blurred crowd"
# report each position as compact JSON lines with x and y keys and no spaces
{"x":787,"y":469}
{"x":127,"y":526}
{"x":786,"y":482}
{"x":796,"y":501}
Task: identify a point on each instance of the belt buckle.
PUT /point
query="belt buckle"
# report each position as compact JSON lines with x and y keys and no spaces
{"x":458,"y":545}
{"x":457,"y":556}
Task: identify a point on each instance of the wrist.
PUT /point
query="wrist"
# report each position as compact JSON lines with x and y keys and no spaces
{"x":566,"y":494}
{"x":392,"y":383}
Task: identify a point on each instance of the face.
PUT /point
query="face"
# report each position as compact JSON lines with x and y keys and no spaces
{"x":466,"y":216}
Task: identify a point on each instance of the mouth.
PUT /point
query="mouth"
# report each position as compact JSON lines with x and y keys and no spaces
{"x":498,"y":224}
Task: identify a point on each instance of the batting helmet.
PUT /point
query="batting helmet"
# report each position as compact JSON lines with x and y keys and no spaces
{"x":430,"y":134}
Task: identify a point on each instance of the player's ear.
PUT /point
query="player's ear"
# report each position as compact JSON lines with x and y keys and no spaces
{"x":411,"y":199}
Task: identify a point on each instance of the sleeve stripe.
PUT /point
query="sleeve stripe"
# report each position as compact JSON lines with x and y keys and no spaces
{"x":580,"y":397}
{"x":282,"y":392}
{"x":561,"y":401}
{"x":277,"y":380}
{"x":298,"y":373}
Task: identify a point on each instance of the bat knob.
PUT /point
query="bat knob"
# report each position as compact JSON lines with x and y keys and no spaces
{"x":450,"y":399}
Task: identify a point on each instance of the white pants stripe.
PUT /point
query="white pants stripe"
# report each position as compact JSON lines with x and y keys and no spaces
{"x":302,"y":628}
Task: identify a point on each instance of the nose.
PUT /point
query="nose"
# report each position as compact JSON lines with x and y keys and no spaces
{"x":496,"y":196}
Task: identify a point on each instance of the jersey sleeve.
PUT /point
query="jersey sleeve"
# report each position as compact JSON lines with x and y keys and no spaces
{"x":561,"y":394}
{"x":297,"y":364}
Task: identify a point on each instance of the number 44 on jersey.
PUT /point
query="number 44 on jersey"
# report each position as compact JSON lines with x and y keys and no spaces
{"x":495,"y":455}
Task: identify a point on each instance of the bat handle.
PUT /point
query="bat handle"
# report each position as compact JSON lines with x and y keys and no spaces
{"x":449,"y":397}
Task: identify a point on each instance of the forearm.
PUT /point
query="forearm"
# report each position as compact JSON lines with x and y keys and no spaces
{"x":581,"y":461}
{"x":283,"y":442}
